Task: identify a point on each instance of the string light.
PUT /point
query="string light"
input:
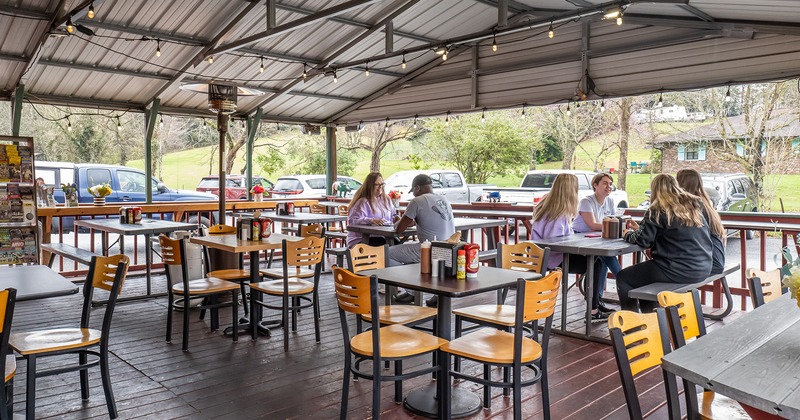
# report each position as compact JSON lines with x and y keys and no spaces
{"x":70,"y":26}
{"x":366,"y":69}
{"x":728,"y":94}
{"x":158,"y":48}
{"x":444,"y":56}
{"x":603,"y":105}
{"x":386,"y":127}
{"x":619,"y":18}
{"x":69,"y":125}
{"x":550,"y":33}
{"x":205,"y":124}
{"x":415,"y":120}
{"x":161,"y":124}
{"x":210,"y":59}
{"x":523,"y":110}
{"x":660,"y":101}
{"x":483,"y":115}
{"x":447,"y":119}
{"x":494,"y":41}
{"x":119,"y":125}
{"x":261,"y":69}
{"x":305,"y":71}
{"x":90,"y":13}
{"x":403,"y":64}
{"x":241,"y":123}
{"x":335,"y":79}
{"x":568,"y":111}
{"x":577,"y":104}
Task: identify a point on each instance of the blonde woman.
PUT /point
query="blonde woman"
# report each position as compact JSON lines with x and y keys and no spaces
{"x":691,"y":181}
{"x":676,"y":231}
{"x":553,"y":217}
{"x":370,"y":206}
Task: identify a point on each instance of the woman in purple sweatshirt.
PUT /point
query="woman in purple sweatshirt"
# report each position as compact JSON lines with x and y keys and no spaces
{"x":552,"y":217}
{"x":370,"y":206}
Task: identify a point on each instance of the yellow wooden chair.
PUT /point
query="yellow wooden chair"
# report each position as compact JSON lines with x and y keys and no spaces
{"x":536,"y":300}
{"x":295,"y":292}
{"x":8,"y":298}
{"x":228,"y":266}
{"x":173,"y":251}
{"x":364,"y":257}
{"x":358,"y":295}
{"x":685,"y":318}
{"x":765,"y":286}
{"x":107,"y":273}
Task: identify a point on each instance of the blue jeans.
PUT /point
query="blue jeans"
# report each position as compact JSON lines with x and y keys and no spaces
{"x":606,"y":264}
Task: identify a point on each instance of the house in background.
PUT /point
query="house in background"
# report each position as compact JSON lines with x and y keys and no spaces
{"x":703,"y":148}
{"x":672,"y":113}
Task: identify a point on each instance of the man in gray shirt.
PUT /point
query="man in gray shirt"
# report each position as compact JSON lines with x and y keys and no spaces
{"x":433,"y":216}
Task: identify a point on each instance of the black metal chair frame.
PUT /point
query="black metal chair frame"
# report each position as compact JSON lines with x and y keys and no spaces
{"x":84,"y":364}
{"x":298,"y":302}
{"x":539,"y":367}
{"x":242,"y":281}
{"x":353,"y":361}
{"x":209,"y":302}
{"x":626,"y":375}
{"x":7,"y":394}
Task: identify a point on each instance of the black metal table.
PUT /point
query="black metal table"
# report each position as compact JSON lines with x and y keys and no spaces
{"x":35,"y":282}
{"x":592,"y":248}
{"x":422,"y":401}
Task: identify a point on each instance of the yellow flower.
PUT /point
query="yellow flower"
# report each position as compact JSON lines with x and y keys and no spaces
{"x":792,"y":281}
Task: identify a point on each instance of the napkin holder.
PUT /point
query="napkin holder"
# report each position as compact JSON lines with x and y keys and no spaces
{"x":447,"y":252}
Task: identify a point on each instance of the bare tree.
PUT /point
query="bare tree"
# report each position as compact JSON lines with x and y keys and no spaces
{"x":574,"y":124}
{"x":375,"y":137}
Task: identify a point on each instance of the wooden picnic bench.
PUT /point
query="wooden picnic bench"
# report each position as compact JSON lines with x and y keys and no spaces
{"x":650,"y":292}
{"x":68,"y":251}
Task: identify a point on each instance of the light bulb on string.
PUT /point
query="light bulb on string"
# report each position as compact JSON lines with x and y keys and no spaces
{"x":577,"y":104}
{"x":158,"y":48}
{"x":415,"y":120}
{"x":366,"y":69}
{"x":523,"y":111}
{"x":550,"y":32}
{"x":119,"y":125}
{"x":386,"y":127}
{"x":494,"y":42}
{"x":205,"y":124}
{"x":261,"y":69}
{"x":568,"y":110}
{"x":70,"y":26}
{"x":447,"y":119}
{"x":619,"y":18}
{"x":305,"y":71}
{"x":483,"y":115}
{"x":603,"y":105}
{"x":335,"y":79}
{"x":403,"y":64}
{"x":161,"y":124}
{"x":90,"y":13}
{"x":660,"y":100}
{"x":728,"y":95}
{"x":210,"y":59}
{"x":69,"y":125}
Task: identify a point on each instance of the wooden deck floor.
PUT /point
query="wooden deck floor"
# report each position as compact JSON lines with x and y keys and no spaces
{"x":221,"y":379}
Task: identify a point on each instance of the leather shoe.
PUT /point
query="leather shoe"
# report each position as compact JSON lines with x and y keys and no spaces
{"x":432,"y":301}
{"x":604,"y":308}
{"x":404,"y":297}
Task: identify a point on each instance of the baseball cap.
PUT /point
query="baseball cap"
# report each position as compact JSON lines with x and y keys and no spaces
{"x":419,"y":181}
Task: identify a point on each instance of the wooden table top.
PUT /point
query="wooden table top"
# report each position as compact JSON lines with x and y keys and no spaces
{"x":231,"y":243}
{"x":489,"y":278}
{"x":755,"y":359}
{"x":35,"y":282}
{"x":146,"y":227}
{"x":580,"y":244}
{"x":461,"y":223}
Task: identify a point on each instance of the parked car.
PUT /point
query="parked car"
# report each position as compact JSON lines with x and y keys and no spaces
{"x":127,"y":184}
{"x":235,"y":186}
{"x":309,"y":186}
{"x":537,"y":183}
{"x":447,"y":182}
{"x":728,"y":192}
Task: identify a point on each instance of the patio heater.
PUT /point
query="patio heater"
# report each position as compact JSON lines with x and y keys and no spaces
{"x":221,"y":100}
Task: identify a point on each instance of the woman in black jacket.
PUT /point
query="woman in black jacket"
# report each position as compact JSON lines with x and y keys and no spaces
{"x":676,"y":231}
{"x":691,"y":182}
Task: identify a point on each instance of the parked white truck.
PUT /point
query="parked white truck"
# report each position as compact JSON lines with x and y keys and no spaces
{"x":447,"y":182}
{"x":537,"y":183}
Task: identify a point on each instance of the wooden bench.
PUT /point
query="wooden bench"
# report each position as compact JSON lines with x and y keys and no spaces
{"x":650,"y":292}
{"x":487,"y":255}
{"x":68,"y":251}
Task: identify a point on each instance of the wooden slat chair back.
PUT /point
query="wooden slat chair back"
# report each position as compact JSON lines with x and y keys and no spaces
{"x":227,"y":265}
{"x":765,"y":286}
{"x":535,"y":300}
{"x":91,"y":345}
{"x":221,"y":230}
{"x":525,"y":256}
{"x":314,"y":229}
{"x":364,"y":257}
{"x":181,"y":290}
{"x":685,"y":319}
{"x":639,"y":342}
{"x":689,"y":315}
{"x":358,"y":295}
{"x":288,"y":284}
{"x":317,"y":209}
{"x":8,"y":298}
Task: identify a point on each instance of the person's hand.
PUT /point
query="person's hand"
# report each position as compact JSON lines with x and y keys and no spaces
{"x":632,"y":225}
{"x":377,"y":222}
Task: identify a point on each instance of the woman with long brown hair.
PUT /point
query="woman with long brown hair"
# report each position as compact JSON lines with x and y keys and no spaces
{"x":553,"y":217}
{"x":691,"y":181}
{"x":676,"y":231}
{"x":370,"y":206}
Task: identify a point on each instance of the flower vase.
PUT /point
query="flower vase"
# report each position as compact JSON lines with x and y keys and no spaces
{"x":258,"y":198}
{"x":396,"y":202}
{"x":71,"y":200}
{"x":99,"y":201}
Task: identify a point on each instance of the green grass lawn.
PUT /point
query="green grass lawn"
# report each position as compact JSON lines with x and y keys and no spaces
{"x":184,"y":170}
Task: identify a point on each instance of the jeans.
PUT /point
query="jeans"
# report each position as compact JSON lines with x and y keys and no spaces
{"x":407,"y":253}
{"x":638,"y":275}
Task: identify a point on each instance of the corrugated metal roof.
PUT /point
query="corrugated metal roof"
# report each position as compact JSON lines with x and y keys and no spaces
{"x":660,"y":46}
